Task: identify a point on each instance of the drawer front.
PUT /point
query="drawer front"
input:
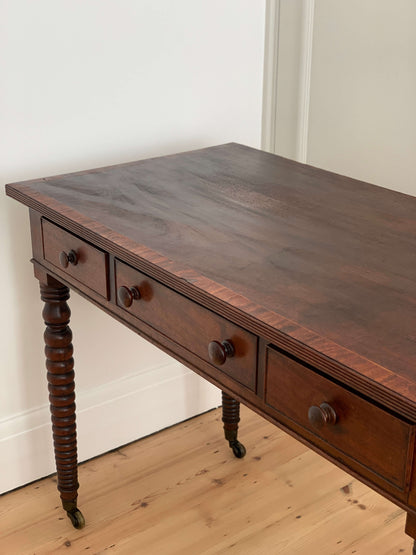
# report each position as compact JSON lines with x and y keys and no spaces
{"x":90,"y":264}
{"x":358,"y":429}
{"x":189,"y":324}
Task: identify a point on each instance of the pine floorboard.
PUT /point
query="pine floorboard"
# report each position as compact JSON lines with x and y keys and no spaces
{"x":181,"y":492}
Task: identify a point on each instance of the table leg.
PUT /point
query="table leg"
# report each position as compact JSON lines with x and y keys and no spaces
{"x":410,"y":529}
{"x":231,"y":418}
{"x":59,"y":364}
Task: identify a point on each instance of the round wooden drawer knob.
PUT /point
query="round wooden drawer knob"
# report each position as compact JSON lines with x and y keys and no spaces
{"x":322,"y":415}
{"x":219,"y":352}
{"x":70,"y":258}
{"x":126,"y":295}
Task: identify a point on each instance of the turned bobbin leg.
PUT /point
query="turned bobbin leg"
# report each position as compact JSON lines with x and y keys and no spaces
{"x":60,"y":364}
{"x":410,"y":529}
{"x":231,"y":418}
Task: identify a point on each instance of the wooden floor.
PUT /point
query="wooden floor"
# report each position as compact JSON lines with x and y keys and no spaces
{"x":181,"y":492}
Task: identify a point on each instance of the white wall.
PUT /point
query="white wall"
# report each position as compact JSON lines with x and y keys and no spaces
{"x":362,"y":119}
{"x":360,"y":98}
{"x":85,"y":84}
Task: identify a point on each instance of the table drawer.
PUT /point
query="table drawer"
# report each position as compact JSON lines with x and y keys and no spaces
{"x":75,"y":257}
{"x":188,"y":324}
{"x":358,"y":429}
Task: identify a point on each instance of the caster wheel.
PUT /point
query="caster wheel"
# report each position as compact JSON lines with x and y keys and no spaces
{"x":238,"y":449}
{"x":76,"y":518}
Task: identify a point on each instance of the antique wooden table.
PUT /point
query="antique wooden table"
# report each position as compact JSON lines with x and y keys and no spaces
{"x":291,"y":288}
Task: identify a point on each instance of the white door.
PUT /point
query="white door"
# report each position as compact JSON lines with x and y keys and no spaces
{"x":340,"y":87}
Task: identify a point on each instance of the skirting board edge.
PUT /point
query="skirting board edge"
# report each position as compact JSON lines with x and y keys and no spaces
{"x":108,"y":416}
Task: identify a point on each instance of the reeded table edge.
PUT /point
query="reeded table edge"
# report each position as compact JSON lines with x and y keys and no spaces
{"x":352,"y":369}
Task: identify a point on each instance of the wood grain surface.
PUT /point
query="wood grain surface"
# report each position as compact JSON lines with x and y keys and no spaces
{"x":91,"y":264}
{"x":361,"y":431}
{"x":322,"y":259}
{"x":182,"y":492}
{"x":190,"y":325}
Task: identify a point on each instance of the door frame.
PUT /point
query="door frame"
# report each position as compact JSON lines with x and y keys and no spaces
{"x":300,"y":15}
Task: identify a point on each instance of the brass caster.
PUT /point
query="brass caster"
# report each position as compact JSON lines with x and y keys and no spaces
{"x":238,"y":449}
{"x":77,"y":518}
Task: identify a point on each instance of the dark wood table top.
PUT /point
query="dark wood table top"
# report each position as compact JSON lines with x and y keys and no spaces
{"x":327,"y":261}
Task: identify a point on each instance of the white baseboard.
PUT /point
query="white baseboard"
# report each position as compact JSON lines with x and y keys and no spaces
{"x":107,"y":417}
